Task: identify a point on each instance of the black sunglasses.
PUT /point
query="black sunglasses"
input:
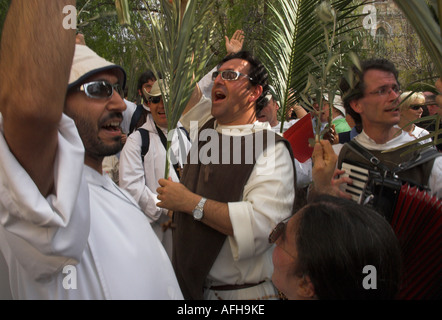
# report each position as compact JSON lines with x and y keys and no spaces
{"x":416,"y":106}
{"x":155,"y":100}
{"x":101,"y":89}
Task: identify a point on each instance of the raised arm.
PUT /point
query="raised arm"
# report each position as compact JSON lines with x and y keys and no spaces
{"x":35,"y":61}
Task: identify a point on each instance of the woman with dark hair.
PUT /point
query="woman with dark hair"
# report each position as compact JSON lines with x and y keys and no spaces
{"x":334,"y":248}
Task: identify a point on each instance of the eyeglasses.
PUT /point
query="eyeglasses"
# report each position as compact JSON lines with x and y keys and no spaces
{"x":386,"y":91}
{"x":278,"y":231}
{"x":229,"y":75}
{"x":416,"y":106}
{"x":156,"y":100}
{"x":101,"y":89}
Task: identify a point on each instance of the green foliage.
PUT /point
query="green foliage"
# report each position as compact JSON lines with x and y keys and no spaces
{"x":422,"y":16}
{"x":4,"y":5}
{"x":298,"y":46}
{"x":98,"y":21}
{"x":180,"y":47}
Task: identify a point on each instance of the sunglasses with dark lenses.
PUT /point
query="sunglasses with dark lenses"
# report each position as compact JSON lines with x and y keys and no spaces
{"x":101,"y":89}
{"x":416,"y":106}
{"x":229,"y":75}
{"x":155,"y":100}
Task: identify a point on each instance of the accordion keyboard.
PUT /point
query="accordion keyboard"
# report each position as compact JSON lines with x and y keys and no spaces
{"x":360,"y":178}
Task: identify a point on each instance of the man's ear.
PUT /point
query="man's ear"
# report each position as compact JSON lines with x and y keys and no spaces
{"x":256,"y":93}
{"x":306,"y":289}
{"x":354,"y":104}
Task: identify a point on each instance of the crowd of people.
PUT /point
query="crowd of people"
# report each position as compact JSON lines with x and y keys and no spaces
{"x":238,"y":218}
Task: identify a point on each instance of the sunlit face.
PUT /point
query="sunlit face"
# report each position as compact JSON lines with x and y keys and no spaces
{"x":285,"y":258}
{"x":409,"y":113}
{"x":97,"y":120}
{"x":158,"y":113}
{"x":232,"y":101}
{"x":376,"y":109}
{"x":269,"y":113}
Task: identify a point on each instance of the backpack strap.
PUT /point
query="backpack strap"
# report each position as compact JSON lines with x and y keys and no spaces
{"x":135,"y":117}
{"x":145,"y":141}
{"x":185,"y":132}
{"x":164,"y":142}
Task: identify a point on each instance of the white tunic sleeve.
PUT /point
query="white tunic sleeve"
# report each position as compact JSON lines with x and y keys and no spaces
{"x":267,"y":200}
{"x":43,"y":234}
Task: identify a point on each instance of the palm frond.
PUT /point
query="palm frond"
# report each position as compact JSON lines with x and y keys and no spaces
{"x":122,"y":7}
{"x":296,"y":44}
{"x":180,"y":37}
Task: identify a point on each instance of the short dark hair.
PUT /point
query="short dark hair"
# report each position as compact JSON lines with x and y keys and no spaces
{"x":258,"y":73}
{"x":145,"y":77}
{"x":336,"y":239}
{"x":350,"y":93}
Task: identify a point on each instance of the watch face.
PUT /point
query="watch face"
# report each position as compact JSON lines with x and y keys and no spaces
{"x":198,"y":214}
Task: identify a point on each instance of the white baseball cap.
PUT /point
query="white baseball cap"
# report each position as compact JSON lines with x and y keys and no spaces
{"x":87,"y":63}
{"x":337,"y":103}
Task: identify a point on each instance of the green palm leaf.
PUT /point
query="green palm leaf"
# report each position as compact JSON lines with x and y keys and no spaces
{"x":296,"y":43}
{"x":181,"y":51}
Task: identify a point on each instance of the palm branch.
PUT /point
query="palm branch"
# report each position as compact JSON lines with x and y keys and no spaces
{"x":180,"y":37}
{"x":122,"y":7}
{"x":294,"y":46}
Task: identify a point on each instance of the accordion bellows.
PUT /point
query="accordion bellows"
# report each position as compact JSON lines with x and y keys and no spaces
{"x":416,"y":218}
{"x":417,"y":222}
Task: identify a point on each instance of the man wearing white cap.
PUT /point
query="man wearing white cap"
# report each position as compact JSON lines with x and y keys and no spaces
{"x":338,"y":114}
{"x":67,"y":231}
{"x":139,"y":174}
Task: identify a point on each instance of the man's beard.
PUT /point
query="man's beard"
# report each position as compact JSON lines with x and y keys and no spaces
{"x":93,"y":145}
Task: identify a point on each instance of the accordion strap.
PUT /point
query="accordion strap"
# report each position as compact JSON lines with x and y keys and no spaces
{"x":356,"y":147}
{"x":424,"y":156}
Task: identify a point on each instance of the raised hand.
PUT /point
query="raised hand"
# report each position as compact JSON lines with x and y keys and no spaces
{"x":325,"y":173}
{"x":235,"y":44}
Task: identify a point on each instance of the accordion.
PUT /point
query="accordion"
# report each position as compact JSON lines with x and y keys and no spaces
{"x":416,"y":218}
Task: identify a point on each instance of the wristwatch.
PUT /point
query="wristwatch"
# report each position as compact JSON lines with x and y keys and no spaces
{"x":198,"y":212}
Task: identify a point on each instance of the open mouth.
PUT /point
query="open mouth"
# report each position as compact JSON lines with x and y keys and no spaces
{"x":113,"y":126}
{"x":218,"y":96}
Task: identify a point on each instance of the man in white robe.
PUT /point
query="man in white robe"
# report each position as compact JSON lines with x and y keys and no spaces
{"x":66,"y":230}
